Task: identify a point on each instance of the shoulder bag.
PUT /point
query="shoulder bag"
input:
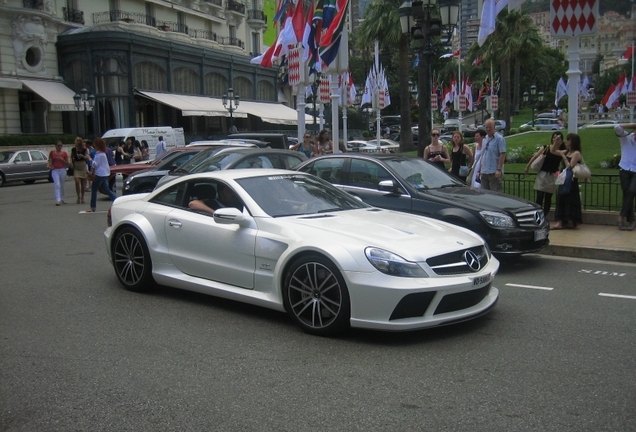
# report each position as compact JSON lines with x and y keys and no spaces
{"x":463,"y":169}
{"x":581,"y":170}
{"x":537,"y":164}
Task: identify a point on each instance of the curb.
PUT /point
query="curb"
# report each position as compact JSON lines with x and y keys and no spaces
{"x":617,"y":255}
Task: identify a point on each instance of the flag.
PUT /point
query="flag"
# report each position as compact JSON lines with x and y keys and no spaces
{"x":622,"y":84}
{"x":385,"y":88}
{"x":330,"y":41}
{"x":298,"y":21}
{"x":613,"y":98}
{"x":265,"y":59}
{"x":608,"y":95}
{"x":280,"y":12}
{"x":628,"y":53}
{"x":352,"y":91}
{"x":457,"y":53}
{"x":561,"y":90}
{"x":485,"y":88}
{"x":314,"y":39}
{"x":416,"y":62}
{"x":489,"y":12}
{"x":447,"y":55}
{"x":585,"y":85}
{"x":307,"y":34}
{"x":285,"y":38}
{"x":468,"y":94}
{"x":477,"y":61}
{"x":329,"y":12}
{"x":368,"y":90}
{"x":515,"y":4}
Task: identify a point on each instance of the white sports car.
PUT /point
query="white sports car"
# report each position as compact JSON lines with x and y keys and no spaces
{"x":292,"y":242}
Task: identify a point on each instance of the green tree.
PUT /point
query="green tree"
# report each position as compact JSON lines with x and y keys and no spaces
{"x":382,"y":23}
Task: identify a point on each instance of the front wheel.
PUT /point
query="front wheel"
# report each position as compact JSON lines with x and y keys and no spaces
{"x":131,"y":260}
{"x":316,"y":296}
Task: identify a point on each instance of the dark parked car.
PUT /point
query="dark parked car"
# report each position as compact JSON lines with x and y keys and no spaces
{"x":275,"y":140}
{"x":237,"y":158}
{"x":510,"y":225}
{"x":26,"y":165}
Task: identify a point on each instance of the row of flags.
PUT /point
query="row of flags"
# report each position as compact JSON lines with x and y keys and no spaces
{"x":319,"y":32}
{"x":489,"y":12}
{"x":562,"y":89}
{"x":376,"y":82}
{"x":346,"y":90}
{"x":622,"y":86}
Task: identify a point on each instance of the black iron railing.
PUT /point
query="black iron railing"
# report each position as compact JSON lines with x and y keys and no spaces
{"x":172,"y":26}
{"x":215,"y":2}
{"x":602,"y":192}
{"x":234,"y":6}
{"x":119,"y":15}
{"x":256,"y":14}
{"x":203,"y":34}
{"x":73,"y":15}
{"x":232,"y":41}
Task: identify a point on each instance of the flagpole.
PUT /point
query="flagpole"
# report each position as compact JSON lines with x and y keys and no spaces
{"x":631,"y":108}
{"x":492,"y":90}
{"x":376,"y":93}
{"x":459,"y":61}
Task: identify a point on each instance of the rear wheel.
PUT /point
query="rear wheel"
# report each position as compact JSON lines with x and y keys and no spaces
{"x":1,"y":179}
{"x":131,"y":260}
{"x":316,"y":296}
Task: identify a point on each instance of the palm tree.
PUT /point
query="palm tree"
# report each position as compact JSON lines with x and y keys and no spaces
{"x":382,"y":23}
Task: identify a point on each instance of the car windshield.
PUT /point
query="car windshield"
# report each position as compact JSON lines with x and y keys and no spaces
{"x":166,"y":162}
{"x":199,"y":158}
{"x":215,"y":162}
{"x":6,"y":155}
{"x":296,"y":195}
{"x":421,"y":174}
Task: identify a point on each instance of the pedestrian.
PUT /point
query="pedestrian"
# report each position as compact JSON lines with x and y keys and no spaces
{"x":80,"y":157}
{"x":160,"y":148}
{"x":627,"y":174}
{"x":145,"y":150}
{"x":436,"y":152}
{"x":101,"y":171}
{"x":461,"y":155}
{"x":544,"y":184}
{"x":473,"y":179}
{"x":306,"y":146}
{"x":492,"y":159}
{"x":58,"y":162}
{"x":233,"y":130}
{"x":91,"y":153}
{"x":323,"y":144}
{"x":568,"y":206}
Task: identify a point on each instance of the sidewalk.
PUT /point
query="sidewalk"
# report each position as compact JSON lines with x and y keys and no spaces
{"x":603,"y":242}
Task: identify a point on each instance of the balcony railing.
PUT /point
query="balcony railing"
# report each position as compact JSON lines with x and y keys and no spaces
{"x":129,"y":17}
{"x":603,"y":192}
{"x":74,"y":16}
{"x":232,"y":41}
{"x":256,"y":14}
{"x":215,"y":2}
{"x":234,"y":6}
{"x":172,"y":26}
{"x":203,"y":34}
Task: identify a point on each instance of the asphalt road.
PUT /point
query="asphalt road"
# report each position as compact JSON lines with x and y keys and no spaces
{"x":79,"y":353}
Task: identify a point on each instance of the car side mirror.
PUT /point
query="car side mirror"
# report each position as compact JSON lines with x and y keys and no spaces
{"x":229,"y":215}
{"x":387,"y":186}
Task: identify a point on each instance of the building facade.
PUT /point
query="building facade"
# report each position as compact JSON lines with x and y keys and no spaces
{"x":147,"y":63}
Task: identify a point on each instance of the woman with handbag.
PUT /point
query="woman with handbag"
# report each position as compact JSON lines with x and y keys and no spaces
{"x":461,"y":156}
{"x":546,"y":162}
{"x":568,"y":207}
{"x":100,"y":174}
{"x":79,"y":160}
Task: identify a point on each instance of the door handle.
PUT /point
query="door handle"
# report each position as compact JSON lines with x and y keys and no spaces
{"x":174,"y":223}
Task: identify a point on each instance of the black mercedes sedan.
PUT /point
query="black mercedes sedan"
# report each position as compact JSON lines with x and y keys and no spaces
{"x":510,"y":225}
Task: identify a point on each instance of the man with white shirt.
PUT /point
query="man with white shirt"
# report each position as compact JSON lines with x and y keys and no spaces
{"x":160,"y":147}
{"x":627,"y":174}
{"x":492,"y":159}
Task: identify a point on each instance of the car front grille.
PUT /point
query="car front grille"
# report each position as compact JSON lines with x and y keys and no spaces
{"x":530,"y":218}
{"x":458,"y":262}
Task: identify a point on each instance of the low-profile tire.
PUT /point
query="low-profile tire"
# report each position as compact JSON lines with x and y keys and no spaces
{"x":316,"y":296}
{"x":1,"y":180}
{"x":28,"y":181}
{"x":131,"y":260}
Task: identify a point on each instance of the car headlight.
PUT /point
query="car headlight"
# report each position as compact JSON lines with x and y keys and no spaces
{"x":394,"y":265}
{"x":496,"y":219}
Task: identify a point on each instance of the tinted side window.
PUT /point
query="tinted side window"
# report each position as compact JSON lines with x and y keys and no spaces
{"x":367,"y":174}
{"x":173,"y":196}
{"x":291,"y":161}
{"x":263,"y":161}
{"x":37,"y":156}
{"x":22,"y":157}
{"x":329,"y":169}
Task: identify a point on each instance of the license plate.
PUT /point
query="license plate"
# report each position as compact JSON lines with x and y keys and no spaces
{"x":541,"y":234}
{"x":480,"y":280}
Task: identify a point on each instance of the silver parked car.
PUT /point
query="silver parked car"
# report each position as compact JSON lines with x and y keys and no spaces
{"x":545,"y":124}
{"x":26,"y":165}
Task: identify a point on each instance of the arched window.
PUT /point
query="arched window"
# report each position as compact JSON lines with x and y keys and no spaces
{"x":185,"y":80}
{"x":215,"y":84}
{"x":150,"y":76}
{"x":243,"y":87}
{"x":265,"y":91}
{"x":76,"y":74}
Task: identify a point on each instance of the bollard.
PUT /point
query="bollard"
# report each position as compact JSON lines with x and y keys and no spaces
{"x":119,"y":184}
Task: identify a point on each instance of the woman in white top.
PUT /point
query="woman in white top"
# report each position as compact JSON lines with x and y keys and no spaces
{"x":102,"y":173}
{"x":323,"y":144}
{"x":474,"y":179}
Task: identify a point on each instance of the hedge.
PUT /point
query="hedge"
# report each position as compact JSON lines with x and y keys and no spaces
{"x":32,"y":140}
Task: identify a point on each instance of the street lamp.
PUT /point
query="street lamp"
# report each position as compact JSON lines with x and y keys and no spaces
{"x":83,"y":101}
{"x":231,"y":103}
{"x":423,"y":21}
{"x":532,"y":101}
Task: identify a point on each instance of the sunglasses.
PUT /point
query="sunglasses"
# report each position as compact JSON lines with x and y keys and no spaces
{"x":434,"y":134}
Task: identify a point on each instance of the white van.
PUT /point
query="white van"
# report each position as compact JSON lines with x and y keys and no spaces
{"x":172,"y":136}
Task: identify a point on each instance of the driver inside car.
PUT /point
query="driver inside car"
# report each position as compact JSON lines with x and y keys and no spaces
{"x":207,"y":202}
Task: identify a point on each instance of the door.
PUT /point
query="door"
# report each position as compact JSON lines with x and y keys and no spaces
{"x":38,"y":164}
{"x":20,"y":167}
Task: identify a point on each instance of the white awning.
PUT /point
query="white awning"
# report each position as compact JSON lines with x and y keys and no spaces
{"x":10,"y":83}
{"x":272,"y":112}
{"x":57,"y":94}
{"x":213,"y":107}
{"x":192,"y":105}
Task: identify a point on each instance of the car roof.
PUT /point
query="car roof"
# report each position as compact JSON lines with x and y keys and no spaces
{"x":235,"y":174}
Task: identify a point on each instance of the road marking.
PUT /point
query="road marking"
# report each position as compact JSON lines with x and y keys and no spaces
{"x":530,"y":286}
{"x":602,"y":272}
{"x":617,"y":296}
{"x":95,"y":212}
